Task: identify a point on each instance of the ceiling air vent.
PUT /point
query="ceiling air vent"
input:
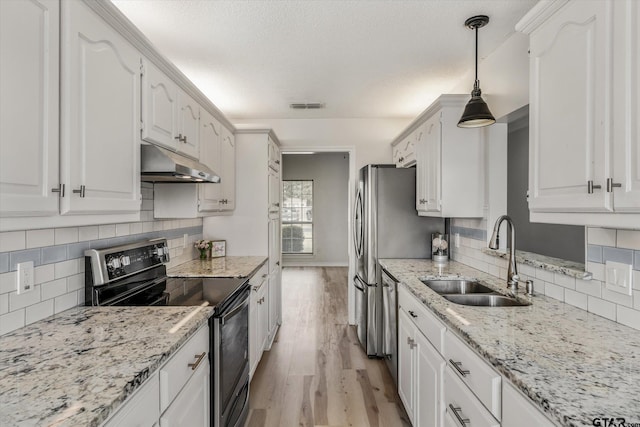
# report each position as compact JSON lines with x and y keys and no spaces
{"x":307,"y":106}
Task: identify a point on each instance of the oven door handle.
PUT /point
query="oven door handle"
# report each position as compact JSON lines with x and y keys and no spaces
{"x":234,"y":310}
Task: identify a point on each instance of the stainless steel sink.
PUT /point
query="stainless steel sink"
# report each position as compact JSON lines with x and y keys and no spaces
{"x":457,"y":286}
{"x":485,"y":300}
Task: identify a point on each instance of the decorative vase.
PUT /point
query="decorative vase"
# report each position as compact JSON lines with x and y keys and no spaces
{"x":204,"y":253}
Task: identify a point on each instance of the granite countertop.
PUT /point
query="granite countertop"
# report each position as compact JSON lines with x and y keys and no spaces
{"x":575,"y":366}
{"x":75,"y":368}
{"x":229,"y":266}
{"x":557,"y":265}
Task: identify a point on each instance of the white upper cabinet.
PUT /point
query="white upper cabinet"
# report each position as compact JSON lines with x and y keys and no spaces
{"x":449,"y":161}
{"x":584,"y":161}
{"x":404,"y":151}
{"x":170,"y":117}
{"x":100,"y":101}
{"x":274,"y":156}
{"x":29,"y":143}
{"x":210,"y":140}
{"x":228,"y":170}
{"x":188,"y":125}
{"x":159,"y":107}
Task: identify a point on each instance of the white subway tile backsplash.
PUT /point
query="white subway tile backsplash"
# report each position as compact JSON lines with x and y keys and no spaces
{"x":65,"y":268}
{"x":135,"y":227}
{"x":564,"y":281}
{"x":8,"y":282}
{"x":80,"y":296}
{"x":40,"y":238}
{"x":636,"y":299}
{"x":629,"y":239}
{"x":53,"y":289}
{"x":596,"y":270}
{"x":554,"y":291}
{"x":617,"y":298}
{"x":44,"y":273}
{"x":12,"y":241}
{"x":39,"y":311}
{"x":65,"y":302}
{"x":106,"y":231}
{"x":123,"y":230}
{"x":88,"y":233}
{"x":147,"y":227}
{"x":527,"y":269}
{"x":75,"y":282}
{"x":11,"y":321}
{"x":601,"y":236}
{"x":602,"y":308}
{"x":25,"y":299}
{"x":547,"y":276}
{"x":66,"y":235}
{"x":576,"y":299}
{"x":636,"y":279}
{"x":4,"y":303}
{"x":589,"y":287}
{"x":628,"y":317}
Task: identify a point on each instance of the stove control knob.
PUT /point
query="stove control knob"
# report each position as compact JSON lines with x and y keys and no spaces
{"x":113,"y":263}
{"x":125,"y":260}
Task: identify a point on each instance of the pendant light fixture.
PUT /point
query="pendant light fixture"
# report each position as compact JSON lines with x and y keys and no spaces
{"x":476,"y":113}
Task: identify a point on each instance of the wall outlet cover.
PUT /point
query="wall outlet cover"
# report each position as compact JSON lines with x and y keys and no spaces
{"x":618,"y":277}
{"x":25,"y":277}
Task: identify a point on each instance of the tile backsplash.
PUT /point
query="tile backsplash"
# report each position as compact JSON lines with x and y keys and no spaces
{"x":58,"y":257}
{"x":603,"y":244}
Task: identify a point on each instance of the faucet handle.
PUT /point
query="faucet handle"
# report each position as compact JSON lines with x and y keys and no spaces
{"x":513,"y":282}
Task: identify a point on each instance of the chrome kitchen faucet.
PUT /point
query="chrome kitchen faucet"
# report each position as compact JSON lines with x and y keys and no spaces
{"x":512,"y":273}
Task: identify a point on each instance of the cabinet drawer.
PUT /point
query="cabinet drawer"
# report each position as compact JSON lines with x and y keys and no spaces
{"x":426,"y":322}
{"x":483,"y":381}
{"x":176,"y":372}
{"x":519,"y":411}
{"x":460,"y":404}
{"x":258,"y":279}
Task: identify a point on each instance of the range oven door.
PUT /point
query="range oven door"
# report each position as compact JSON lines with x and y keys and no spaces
{"x":231,"y":364}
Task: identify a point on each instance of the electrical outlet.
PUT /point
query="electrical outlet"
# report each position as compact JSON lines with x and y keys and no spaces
{"x":618,"y":277}
{"x":456,"y":240}
{"x":25,"y":277}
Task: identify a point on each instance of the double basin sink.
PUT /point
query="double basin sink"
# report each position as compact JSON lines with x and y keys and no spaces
{"x":470,"y":292}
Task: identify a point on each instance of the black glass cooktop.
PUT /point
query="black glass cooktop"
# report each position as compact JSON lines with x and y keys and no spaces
{"x":196,"y":291}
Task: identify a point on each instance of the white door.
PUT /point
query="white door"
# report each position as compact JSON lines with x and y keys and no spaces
{"x":188,"y":125}
{"x":626,"y":106}
{"x":568,"y":110}
{"x":228,"y":167}
{"x":29,"y":144}
{"x":159,"y":107}
{"x":432,"y":174}
{"x":210,"y":140}
{"x":100,"y":101}
{"x":192,"y":406}
{"x":406,"y":370}
{"x":429,"y":370}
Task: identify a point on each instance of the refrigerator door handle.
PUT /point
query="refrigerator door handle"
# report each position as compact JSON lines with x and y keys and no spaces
{"x":358,"y":235}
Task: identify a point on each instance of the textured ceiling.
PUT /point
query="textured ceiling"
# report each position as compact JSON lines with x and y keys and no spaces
{"x":363,"y":59}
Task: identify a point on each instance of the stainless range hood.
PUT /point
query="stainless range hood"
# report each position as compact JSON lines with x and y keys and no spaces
{"x":161,"y":165}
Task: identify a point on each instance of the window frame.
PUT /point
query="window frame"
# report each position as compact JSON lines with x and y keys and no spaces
{"x":300,"y":222}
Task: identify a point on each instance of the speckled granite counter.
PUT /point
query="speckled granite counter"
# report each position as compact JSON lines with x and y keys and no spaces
{"x":557,"y":265}
{"x":574,"y":365}
{"x":77,"y":367}
{"x":230,"y":266}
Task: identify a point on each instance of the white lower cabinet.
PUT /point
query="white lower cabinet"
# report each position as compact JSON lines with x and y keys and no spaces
{"x":178,"y":395}
{"x":258,"y":316}
{"x":517,"y":412}
{"x":461,"y":406}
{"x":420,"y":369}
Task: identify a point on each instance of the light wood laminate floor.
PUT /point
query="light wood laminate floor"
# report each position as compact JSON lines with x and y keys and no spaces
{"x":316,"y":374}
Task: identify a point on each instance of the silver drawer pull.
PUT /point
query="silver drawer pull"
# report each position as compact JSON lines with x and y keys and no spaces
{"x":413,"y":314}
{"x":457,"y":366}
{"x":199,"y":357}
{"x":81,"y":191}
{"x":456,"y":412}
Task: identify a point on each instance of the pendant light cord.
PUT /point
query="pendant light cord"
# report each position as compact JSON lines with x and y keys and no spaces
{"x":476,"y":54}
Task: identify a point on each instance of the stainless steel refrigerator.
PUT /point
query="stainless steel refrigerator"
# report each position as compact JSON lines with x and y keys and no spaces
{"x":385,"y":225}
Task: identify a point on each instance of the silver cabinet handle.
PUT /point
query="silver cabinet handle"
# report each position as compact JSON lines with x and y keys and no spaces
{"x":456,"y":412}
{"x":278,"y":263}
{"x":264,"y":275}
{"x":277,"y":162}
{"x":277,"y":204}
{"x":80,"y":191}
{"x":199,"y":358}
{"x":401,"y":159}
{"x":179,"y":137}
{"x":413,"y":314}
{"x":59,"y":190}
{"x":457,"y":366}
{"x":423,"y":201}
{"x":412,"y":343}
{"x":591,"y":187}
{"x":611,"y":185}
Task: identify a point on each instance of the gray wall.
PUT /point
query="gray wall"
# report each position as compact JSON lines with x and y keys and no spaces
{"x":330,"y":175}
{"x":560,"y":241}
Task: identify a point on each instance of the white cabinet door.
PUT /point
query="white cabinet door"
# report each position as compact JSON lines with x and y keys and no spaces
{"x":192,"y":406}
{"x":406,"y":371}
{"x":263,"y":316}
{"x":404,"y":152}
{"x":29,"y":143}
{"x":428,"y":184}
{"x":568,"y":110}
{"x":228,"y":170}
{"x":140,"y":410}
{"x":274,"y":194}
{"x":188,"y":125}
{"x":626,"y":105}
{"x":429,"y":371}
{"x":274,"y":155}
{"x":517,"y":411}
{"x":159,"y":107}
{"x":100,"y":101}
{"x":210,"y":140}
